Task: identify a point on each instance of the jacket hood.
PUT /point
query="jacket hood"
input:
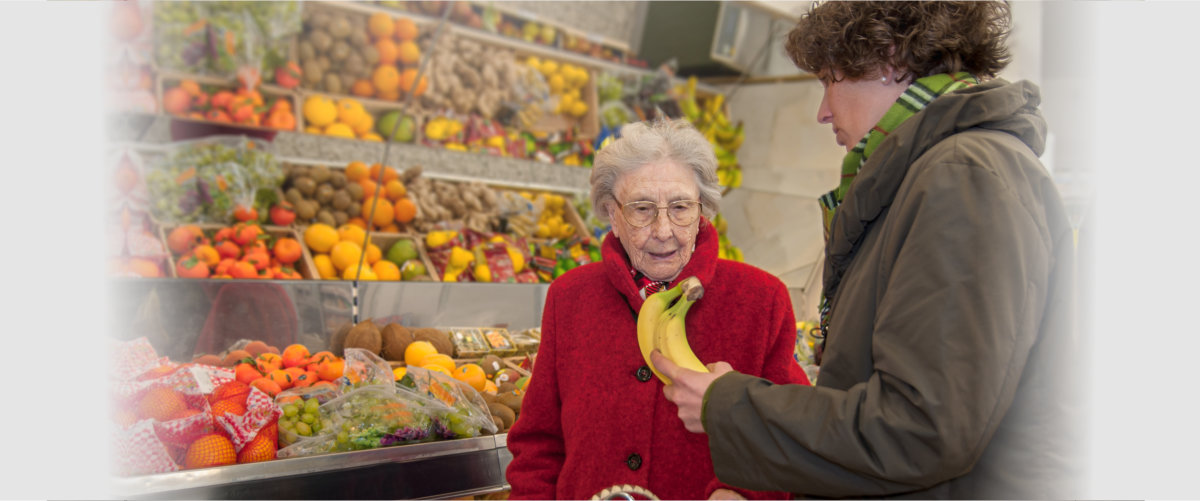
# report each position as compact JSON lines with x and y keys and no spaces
{"x":993,"y":105}
{"x":703,"y":264}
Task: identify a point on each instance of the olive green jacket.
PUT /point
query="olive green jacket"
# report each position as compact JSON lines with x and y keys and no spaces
{"x":949,"y":369}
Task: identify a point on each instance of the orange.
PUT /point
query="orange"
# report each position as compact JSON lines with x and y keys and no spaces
{"x":408,"y":53}
{"x":417,"y":351}
{"x":207,"y":254}
{"x":374,"y":254}
{"x":229,"y":406}
{"x":161,"y":404}
{"x":390,"y":228}
{"x":325,"y":268}
{"x":304,"y":379}
{"x":287,"y":250}
{"x":183,"y":238}
{"x":405,"y":210}
{"x":369,"y":187}
{"x":490,"y":388}
{"x":356,"y":171}
{"x":395,"y":189}
{"x":390,"y":95}
{"x":210,"y":450}
{"x":383,"y":210}
{"x":407,"y":78}
{"x":386,"y":270}
{"x":357,"y":221}
{"x":439,"y":359}
{"x":267,"y":386}
{"x":381,"y":25}
{"x":319,"y":111}
{"x":386,"y":79}
{"x":176,"y":101}
{"x":363,"y":88}
{"x":232,"y":390}
{"x":436,"y":368}
{"x":399,"y":372}
{"x":345,"y":254}
{"x":246,"y":373}
{"x":351,"y":233}
{"x":262,"y":448}
{"x":389,"y":173}
{"x":294,"y":355}
{"x":331,"y":369}
{"x":320,"y":237}
{"x":471,"y":374}
{"x":388,"y":51}
{"x":405,"y":29}
{"x":318,"y":358}
{"x":267,"y":362}
{"x":281,"y":378}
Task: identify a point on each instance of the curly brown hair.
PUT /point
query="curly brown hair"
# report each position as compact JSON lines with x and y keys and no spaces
{"x":855,"y":40}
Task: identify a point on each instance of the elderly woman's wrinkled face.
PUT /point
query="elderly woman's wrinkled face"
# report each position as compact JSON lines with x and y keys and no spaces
{"x":660,"y":249}
{"x":853,"y":107}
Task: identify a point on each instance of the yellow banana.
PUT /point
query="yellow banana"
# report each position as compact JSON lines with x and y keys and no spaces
{"x":647,"y":322}
{"x":671,"y":332}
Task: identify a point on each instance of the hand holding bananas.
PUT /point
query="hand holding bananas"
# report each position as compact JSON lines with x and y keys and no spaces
{"x":688,"y":388}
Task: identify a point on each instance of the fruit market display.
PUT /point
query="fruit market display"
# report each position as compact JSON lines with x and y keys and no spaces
{"x":242,"y":106}
{"x":660,"y":326}
{"x":469,"y":77}
{"x":565,"y":82}
{"x":206,"y":180}
{"x":337,"y":196}
{"x":243,"y":250}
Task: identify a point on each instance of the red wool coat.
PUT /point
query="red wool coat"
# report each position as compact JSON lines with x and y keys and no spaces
{"x":589,"y":422}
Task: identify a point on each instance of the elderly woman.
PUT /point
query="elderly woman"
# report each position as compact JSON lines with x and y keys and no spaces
{"x":594,"y":415}
{"x":947,"y":369}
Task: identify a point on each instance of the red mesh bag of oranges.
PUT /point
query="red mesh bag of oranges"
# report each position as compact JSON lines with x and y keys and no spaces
{"x":169,"y":416}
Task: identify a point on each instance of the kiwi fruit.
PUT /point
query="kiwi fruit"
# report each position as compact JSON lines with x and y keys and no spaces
{"x":341,"y":217}
{"x":340,"y":200}
{"x":499,"y":423}
{"x":306,"y":210}
{"x":491,"y":364}
{"x":340,"y":51}
{"x":370,"y":54}
{"x":396,"y":339}
{"x":333,"y":83}
{"x":293,"y":195}
{"x":321,"y":41}
{"x":325,"y":63}
{"x":326,"y":216}
{"x":366,"y":336}
{"x":337,"y":342}
{"x":358,"y":39}
{"x":299,"y":171}
{"x":510,"y":399}
{"x":347,"y":79}
{"x":307,"y":51}
{"x":306,"y":185}
{"x":319,"y":173}
{"x":318,"y":19}
{"x":506,"y":387}
{"x":340,"y":27}
{"x":324,"y":193}
{"x":504,"y":412}
{"x":337,"y":178}
{"x":312,"y":72}
{"x":354,"y":210}
{"x":438,"y":338}
{"x":356,"y":191}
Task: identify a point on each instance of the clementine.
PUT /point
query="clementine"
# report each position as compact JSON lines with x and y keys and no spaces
{"x":388,"y":51}
{"x":409,"y":82}
{"x":471,"y":374}
{"x":267,"y":386}
{"x":356,"y":171}
{"x":207,"y":254}
{"x":383,"y":210}
{"x":210,"y":450}
{"x":330,"y":370}
{"x":287,"y":250}
{"x":363,"y":88}
{"x":381,"y":25}
{"x":395,"y":189}
{"x":408,"y":53}
{"x":386,"y":270}
{"x":294,"y":355}
{"x":405,"y":210}
{"x":405,"y":29}
{"x":386,"y":79}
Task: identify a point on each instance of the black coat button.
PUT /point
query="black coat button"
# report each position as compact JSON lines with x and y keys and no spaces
{"x":643,"y":373}
{"x":634,"y":461}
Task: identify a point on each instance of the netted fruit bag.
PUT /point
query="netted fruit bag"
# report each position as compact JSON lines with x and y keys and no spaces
{"x":161,"y":407}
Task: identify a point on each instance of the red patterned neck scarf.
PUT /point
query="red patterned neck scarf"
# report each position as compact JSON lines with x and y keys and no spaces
{"x":645,"y":286}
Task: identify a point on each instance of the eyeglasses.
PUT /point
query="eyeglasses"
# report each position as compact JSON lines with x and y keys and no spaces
{"x":641,"y":213}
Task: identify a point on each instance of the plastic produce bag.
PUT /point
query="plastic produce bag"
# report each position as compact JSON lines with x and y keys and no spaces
{"x":219,"y":38}
{"x":364,"y":368}
{"x":203,"y":181}
{"x":470,"y":416}
{"x":369,"y":417}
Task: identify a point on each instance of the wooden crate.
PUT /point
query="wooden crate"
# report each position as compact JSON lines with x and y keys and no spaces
{"x":305,"y":265}
{"x":385,"y":241}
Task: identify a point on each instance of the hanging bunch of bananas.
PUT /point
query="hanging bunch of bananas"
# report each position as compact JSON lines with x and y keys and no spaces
{"x":661,"y":325}
{"x":711,"y":121}
{"x":725,"y":248}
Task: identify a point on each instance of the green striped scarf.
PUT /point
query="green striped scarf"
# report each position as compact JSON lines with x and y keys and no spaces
{"x":915,"y":98}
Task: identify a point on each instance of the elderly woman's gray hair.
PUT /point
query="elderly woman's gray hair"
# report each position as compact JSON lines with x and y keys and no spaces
{"x":643,"y":143}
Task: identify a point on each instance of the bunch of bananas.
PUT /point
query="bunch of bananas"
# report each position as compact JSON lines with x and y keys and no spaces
{"x":725,"y":248}
{"x":725,"y":137}
{"x":660,"y":325}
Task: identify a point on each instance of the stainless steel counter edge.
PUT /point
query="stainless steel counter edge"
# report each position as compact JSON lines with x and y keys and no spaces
{"x":209,"y":477}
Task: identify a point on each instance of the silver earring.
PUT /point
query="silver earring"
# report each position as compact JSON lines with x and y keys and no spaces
{"x":883,"y":79}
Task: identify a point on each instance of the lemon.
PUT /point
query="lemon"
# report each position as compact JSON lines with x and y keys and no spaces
{"x":320,"y":111}
{"x":483,"y":273}
{"x":453,"y":127}
{"x":534,"y":62}
{"x":345,"y":254}
{"x":320,"y":237}
{"x":350,"y":111}
{"x":549,"y":68}
{"x":460,"y":257}
{"x":543,"y":231}
{"x":496,"y":142}
{"x":436,"y":239}
{"x":436,"y":129}
{"x":556,"y":82}
{"x":518,"y":259}
{"x":399,"y":372}
{"x":313,"y":129}
{"x":367,"y":273}
{"x":339,"y":129}
{"x":325,"y":266}
{"x":566,"y":102}
{"x":566,"y":230}
{"x":352,"y":233}
{"x":579,"y":109}
{"x":371,"y":137}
